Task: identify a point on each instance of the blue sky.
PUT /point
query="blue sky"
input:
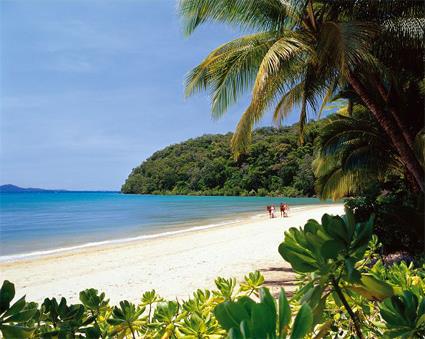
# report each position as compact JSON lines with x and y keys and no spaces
{"x":91,"y":88}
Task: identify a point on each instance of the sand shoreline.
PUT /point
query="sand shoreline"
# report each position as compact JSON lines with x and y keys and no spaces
{"x":174,"y":264}
{"x":196,"y":226}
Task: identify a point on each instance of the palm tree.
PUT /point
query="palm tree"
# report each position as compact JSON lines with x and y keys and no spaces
{"x":303,"y":51}
{"x":353,"y":149}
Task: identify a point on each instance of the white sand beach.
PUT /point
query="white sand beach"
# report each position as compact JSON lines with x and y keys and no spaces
{"x":174,"y":265}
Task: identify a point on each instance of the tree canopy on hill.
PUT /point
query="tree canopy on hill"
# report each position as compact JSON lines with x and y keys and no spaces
{"x":275,"y":164}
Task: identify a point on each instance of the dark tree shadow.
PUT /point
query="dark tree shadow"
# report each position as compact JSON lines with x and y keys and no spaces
{"x":279,"y":277}
{"x":277,"y":269}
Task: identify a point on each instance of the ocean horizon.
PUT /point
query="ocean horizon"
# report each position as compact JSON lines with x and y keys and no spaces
{"x":40,"y":223}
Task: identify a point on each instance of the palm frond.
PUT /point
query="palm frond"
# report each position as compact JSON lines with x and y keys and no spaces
{"x":230,"y":70}
{"x":247,"y":14}
{"x":332,"y":88}
{"x":279,"y":68}
{"x":346,"y":46}
{"x":372,"y":10}
{"x":336,"y":183}
{"x":287,"y":102}
{"x":353,"y":149}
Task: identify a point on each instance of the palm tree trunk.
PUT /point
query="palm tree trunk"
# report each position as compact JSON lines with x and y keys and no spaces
{"x":390,"y":127}
{"x":411,"y":182}
{"x":399,"y":121}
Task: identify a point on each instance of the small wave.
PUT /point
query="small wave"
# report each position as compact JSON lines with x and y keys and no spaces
{"x":22,"y":256}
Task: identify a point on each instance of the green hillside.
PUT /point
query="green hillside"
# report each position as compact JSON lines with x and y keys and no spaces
{"x":276,"y":164}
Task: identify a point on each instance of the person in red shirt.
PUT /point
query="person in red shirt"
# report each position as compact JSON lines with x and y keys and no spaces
{"x":282,"y":210}
{"x":269,"y":210}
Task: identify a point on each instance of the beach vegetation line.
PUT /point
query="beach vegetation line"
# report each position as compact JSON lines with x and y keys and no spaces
{"x":275,"y":165}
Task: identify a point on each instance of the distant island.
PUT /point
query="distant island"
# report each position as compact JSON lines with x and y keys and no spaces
{"x":9,"y":188}
{"x":276,"y":165}
{"x":16,"y":189}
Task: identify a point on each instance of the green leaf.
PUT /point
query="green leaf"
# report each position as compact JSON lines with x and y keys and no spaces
{"x":398,"y":305}
{"x":247,"y":303}
{"x":303,"y":251}
{"x":314,"y":243}
{"x":23,"y":316}
{"x":245,"y":330}
{"x":331,"y":248}
{"x":299,"y":263}
{"x":93,"y":333}
{"x":234,"y":334}
{"x":337,"y":299}
{"x":16,"y":331}
{"x":312,"y":297}
{"x":364,"y":234}
{"x":411,"y":304}
{"x":389,"y":316}
{"x":350,"y":222}
{"x":400,"y":332}
{"x":421,"y":320}
{"x":421,"y":307}
{"x":312,"y":226}
{"x":230,"y":314}
{"x":335,"y":227}
{"x":303,"y":322}
{"x":262,"y":320}
{"x":7,"y":292}
{"x":267,"y":299}
{"x":299,"y":237}
{"x":284,"y":312}
{"x":353,"y":274}
{"x":16,"y":307}
{"x":318,"y":311}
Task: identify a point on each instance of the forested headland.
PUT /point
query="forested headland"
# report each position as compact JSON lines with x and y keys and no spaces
{"x":275,"y":164}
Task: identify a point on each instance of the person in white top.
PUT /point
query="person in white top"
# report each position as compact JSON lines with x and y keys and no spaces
{"x":272,"y":210}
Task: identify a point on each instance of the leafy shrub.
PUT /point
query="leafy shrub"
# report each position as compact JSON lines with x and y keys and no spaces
{"x":404,"y":315}
{"x":331,"y":251}
{"x":154,"y":317}
{"x":252,"y":283}
{"x":247,"y":319}
{"x":399,"y":219}
{"x":127,"y":319}
{"x":347,"y":286}
{"x":14,"y":318}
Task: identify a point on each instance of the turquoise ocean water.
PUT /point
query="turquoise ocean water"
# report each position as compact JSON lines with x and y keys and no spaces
{"x":41,"y":223}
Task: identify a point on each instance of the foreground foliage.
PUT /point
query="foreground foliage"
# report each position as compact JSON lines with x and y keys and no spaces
{"x":245,"y":318}
{"x":345,"y":290}
{"x":340,"y":269}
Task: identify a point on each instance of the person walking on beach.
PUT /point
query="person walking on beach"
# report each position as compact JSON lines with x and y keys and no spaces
{"x":272,"y":209}
{"x":269,"y":210}
{"x":285,"y":212}
{"x":282,"y":209}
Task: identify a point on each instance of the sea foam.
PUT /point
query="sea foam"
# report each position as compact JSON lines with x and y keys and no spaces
{"x":29,"y":255}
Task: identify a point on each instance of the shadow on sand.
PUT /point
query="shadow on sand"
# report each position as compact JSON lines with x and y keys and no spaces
{"x":279,"y":277}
